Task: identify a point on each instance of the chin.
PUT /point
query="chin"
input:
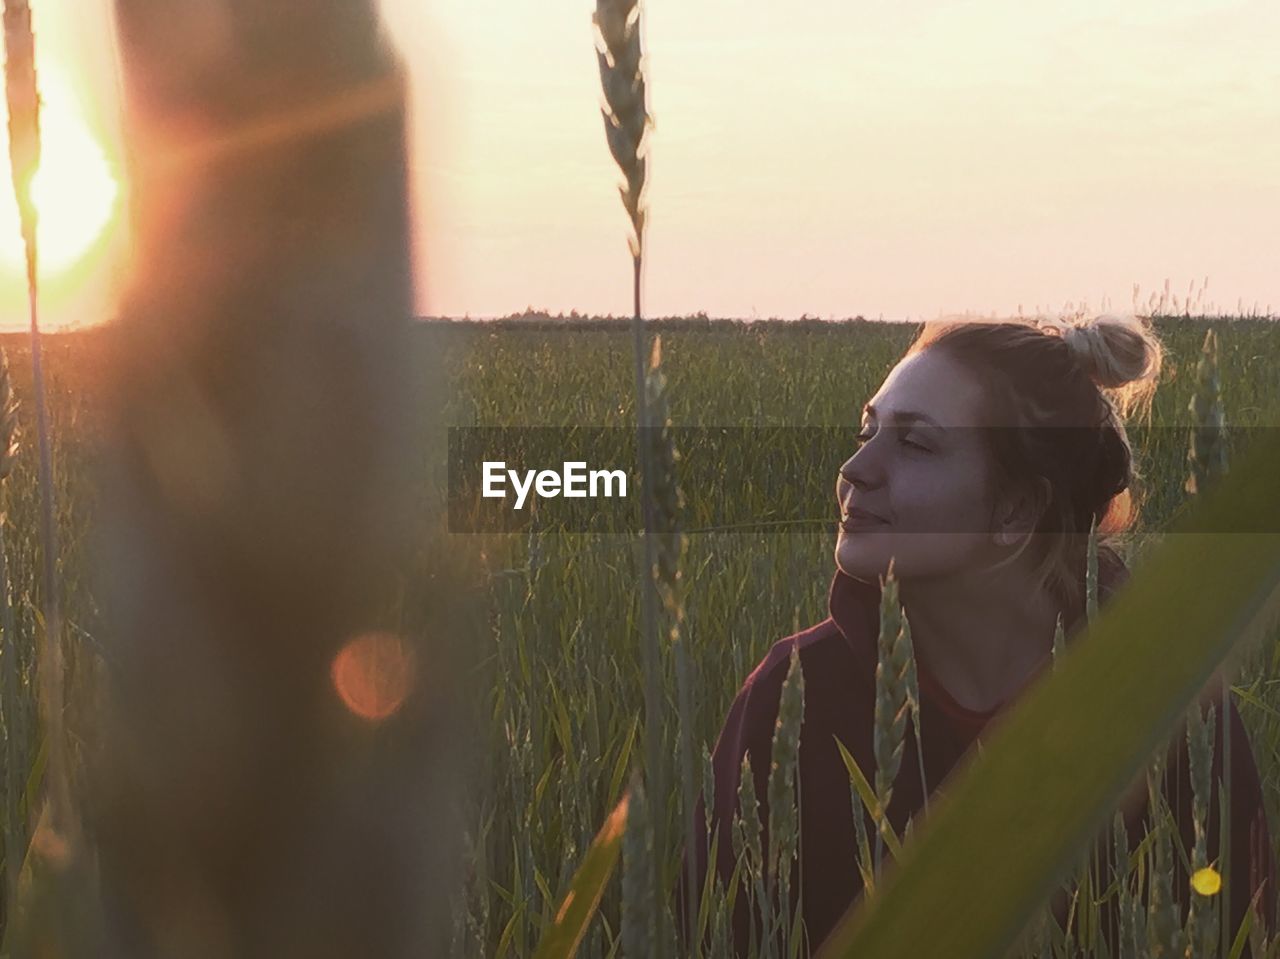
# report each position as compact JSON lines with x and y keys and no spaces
{"x":854,"y":559}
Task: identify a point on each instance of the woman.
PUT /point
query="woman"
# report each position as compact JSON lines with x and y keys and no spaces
{"x":983,"y":433}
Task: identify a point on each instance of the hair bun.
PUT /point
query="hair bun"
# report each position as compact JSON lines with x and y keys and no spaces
{"x":1117,"y":352}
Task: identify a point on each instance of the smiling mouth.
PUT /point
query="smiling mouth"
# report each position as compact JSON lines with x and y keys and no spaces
{"x":850,"y":523}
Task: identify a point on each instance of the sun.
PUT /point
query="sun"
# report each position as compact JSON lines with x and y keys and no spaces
{"x":74,"y":191}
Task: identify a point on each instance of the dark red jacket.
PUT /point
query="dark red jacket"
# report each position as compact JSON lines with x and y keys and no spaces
{"x":838,"y":657}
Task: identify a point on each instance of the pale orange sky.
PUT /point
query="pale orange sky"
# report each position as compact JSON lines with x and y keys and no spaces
{"x":831,"y":158}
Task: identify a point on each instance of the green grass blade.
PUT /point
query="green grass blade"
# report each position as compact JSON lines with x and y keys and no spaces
{"x":624,"y":757}
{"x":1051,"y":773}
{"x":1242,"y":934}
{"x":579,"y":905}
{"x":868,"y":796}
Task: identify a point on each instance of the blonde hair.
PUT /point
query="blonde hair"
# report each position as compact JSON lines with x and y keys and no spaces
{"x":1120,"y":353}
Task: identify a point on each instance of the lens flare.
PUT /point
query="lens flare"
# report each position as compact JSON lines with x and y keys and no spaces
{"x":373,"y":675}
{"x":74,"y":191}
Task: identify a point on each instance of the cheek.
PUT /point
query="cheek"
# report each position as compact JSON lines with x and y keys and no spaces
{"x":937,"y":497}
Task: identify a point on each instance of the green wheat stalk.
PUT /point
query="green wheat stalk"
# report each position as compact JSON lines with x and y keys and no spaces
{"x":1059,"y":642}
{"x":784,"y":825}
{"x":638,"y":906}
{"x":12,"y":781}
{"x":746,"y":840}
{"x":1091,"y":573}
{"x":863,"y":847}
{"x":1202,"y":924}
{"x":1124,"y":896}
{"x":626,"y":118}
{"x":1087,"y":875}
{"x":708,"y":789}
{"x":1207,"y":458}
{"x":1164,"y":932}
{"x":670,"y":543}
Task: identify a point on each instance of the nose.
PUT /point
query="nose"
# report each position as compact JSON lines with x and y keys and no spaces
{"x":849,"y":477}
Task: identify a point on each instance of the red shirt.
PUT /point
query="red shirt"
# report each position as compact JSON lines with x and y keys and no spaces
{"x":838,"y":657}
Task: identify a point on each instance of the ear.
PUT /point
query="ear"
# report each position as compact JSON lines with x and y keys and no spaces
{"x":1019,"y":515}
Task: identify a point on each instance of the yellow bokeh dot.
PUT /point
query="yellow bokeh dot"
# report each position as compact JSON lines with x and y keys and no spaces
{"x":1206,"y":881}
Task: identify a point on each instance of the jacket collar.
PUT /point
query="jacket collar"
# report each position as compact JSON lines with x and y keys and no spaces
{"x":855,"y":607}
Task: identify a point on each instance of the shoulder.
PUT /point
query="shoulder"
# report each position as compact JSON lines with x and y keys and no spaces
{"x":827,"y":664}
{"x":818,"y":644}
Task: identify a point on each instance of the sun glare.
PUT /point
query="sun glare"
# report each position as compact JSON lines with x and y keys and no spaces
{"x":75,"y":193}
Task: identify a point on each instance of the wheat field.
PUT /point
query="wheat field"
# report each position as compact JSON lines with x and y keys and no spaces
{"x":553,"y":665}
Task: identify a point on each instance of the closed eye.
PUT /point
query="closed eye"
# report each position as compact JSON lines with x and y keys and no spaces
{"x":864,"y":437}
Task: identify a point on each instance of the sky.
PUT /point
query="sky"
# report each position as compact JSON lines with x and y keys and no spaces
{"x":829,"y":158}
{"x":83,"y":267}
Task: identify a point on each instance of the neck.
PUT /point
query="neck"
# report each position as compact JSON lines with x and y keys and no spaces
{"x":983,"y":635}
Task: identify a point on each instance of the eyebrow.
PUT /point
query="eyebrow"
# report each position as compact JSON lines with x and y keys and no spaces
{"x":905,"y":416}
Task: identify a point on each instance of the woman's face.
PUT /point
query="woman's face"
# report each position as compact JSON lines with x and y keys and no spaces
{"x":921,"y":466}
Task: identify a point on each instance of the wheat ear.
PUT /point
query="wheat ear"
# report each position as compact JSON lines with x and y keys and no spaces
{"x":746,"y":839}
{"x":626,"y":116}
{"x":1207,"y":455}
{"x":913,"y":699}
{"x":891,"y":699}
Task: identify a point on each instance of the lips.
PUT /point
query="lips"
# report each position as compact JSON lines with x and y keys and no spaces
{"x":857,"y":518}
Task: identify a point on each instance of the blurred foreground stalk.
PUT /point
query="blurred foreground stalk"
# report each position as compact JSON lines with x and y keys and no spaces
{"x":22,"y":100}
{"x":278,"y":749}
